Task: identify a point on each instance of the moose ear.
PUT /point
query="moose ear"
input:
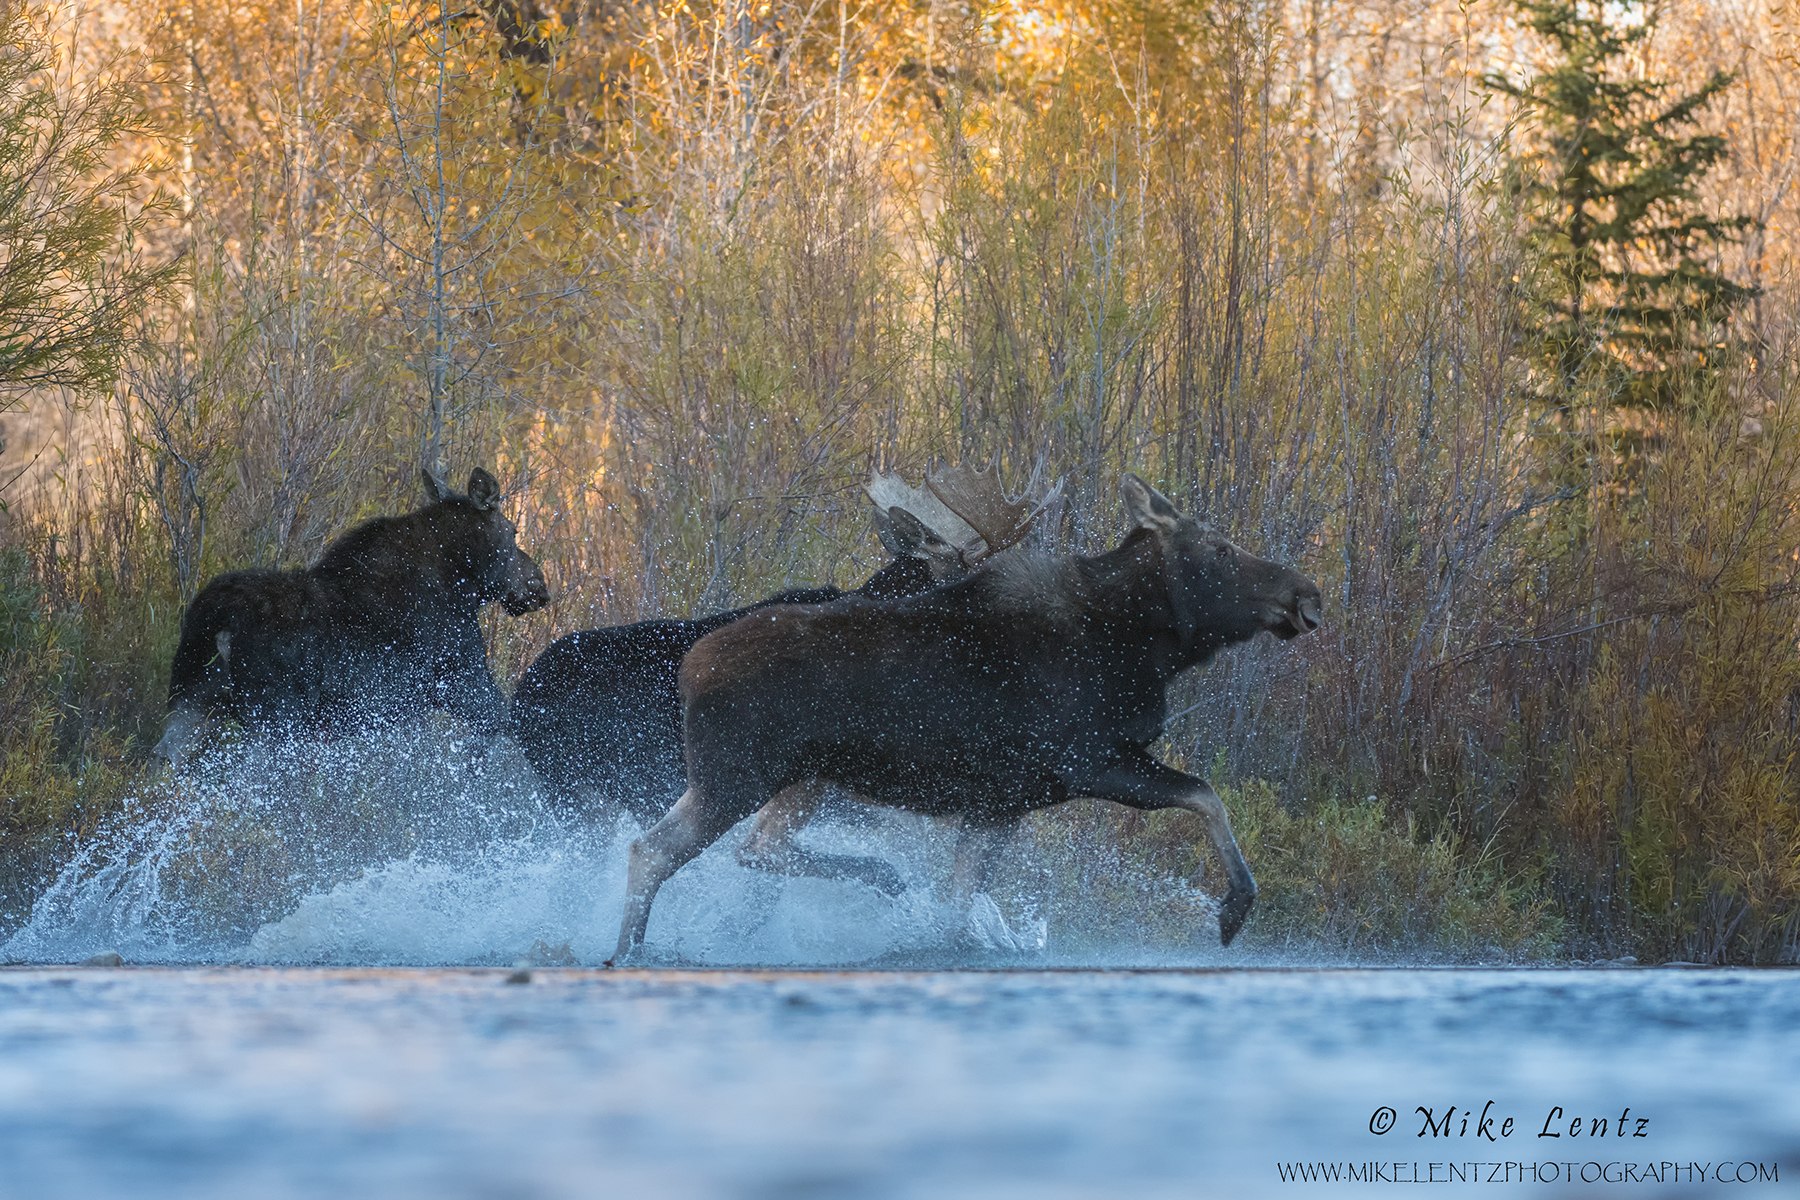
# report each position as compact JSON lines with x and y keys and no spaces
{"x":435,"y":488}
{"x":909,"y":537}
{"x":1147,"y":507}
{"x":484,"y":490}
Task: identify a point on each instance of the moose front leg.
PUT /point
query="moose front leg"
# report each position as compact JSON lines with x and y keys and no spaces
{"x":1143,"y":783}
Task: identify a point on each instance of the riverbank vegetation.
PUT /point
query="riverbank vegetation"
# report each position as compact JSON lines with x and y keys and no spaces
{"x":1484,"y":315}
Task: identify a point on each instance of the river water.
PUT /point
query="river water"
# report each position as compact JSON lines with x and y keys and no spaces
{"x":452,"y":1082}
{"x":316,"y":1004}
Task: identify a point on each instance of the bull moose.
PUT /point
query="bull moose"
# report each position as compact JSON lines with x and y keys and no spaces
{"x":599,"y":709}
{"x":1031,"y":681}
{"x":381,"y":627}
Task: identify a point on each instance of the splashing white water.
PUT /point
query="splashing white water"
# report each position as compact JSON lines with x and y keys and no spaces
{"x":560,"y":893}
{"x":421,"y":851}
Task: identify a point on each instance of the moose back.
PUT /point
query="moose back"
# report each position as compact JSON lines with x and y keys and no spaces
{"x":598,"y":714}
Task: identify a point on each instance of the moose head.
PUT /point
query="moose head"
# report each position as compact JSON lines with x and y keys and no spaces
{"x":1219,"y":594}
{"x":485,"y":544}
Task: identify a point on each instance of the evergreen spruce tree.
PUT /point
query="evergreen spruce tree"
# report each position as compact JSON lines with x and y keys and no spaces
{"x":1629,"y":305}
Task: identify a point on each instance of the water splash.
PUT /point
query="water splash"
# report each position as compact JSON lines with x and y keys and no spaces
{"x":427,"y":850}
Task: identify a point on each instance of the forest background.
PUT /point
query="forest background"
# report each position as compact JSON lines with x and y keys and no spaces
{"x":683,"y":272}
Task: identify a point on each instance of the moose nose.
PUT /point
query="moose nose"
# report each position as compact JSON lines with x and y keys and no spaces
{"x":1307,"y":613}
{"x":518,"y":605}
{"x":530,"y":594}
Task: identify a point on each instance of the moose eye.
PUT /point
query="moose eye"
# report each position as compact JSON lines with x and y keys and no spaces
{"x":1224,"y":551}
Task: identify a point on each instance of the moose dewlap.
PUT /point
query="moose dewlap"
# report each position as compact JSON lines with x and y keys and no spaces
{"x":1028,"y":682}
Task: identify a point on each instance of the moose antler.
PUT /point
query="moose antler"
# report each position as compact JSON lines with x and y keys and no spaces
{"x":979,"y":499}
{"x":966,"y":509}
{"x":890,"y":491}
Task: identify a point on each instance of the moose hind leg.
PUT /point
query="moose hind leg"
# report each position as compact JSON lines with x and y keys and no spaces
{"x":771,"y":846}
{"x":1142,"y":782}
{"x":676,"y":840}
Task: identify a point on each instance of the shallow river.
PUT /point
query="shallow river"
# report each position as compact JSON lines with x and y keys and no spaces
{"x":271,"y":1082}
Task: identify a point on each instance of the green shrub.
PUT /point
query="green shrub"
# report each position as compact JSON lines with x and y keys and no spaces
{"x":52,"y":785}
{"x":1349,"y":877}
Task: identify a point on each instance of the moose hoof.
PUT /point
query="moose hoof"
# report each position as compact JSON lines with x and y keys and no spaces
{"x":1233,"y":911}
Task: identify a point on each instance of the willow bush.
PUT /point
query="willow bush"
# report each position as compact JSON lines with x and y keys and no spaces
{"x":698,"y":267}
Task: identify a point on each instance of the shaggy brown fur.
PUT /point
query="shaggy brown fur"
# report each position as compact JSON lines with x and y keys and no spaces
{"x":599,"y":714}
{"x":385,"y":624}
{"x":1020,"y":686}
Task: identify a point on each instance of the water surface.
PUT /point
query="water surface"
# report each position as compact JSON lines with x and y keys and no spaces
{"x":332,"y":1018}
{"x":273,"y":1082}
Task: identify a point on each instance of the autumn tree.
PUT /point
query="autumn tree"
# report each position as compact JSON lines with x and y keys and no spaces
{"x":475,"y":244}
{"x":72,"y":278}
